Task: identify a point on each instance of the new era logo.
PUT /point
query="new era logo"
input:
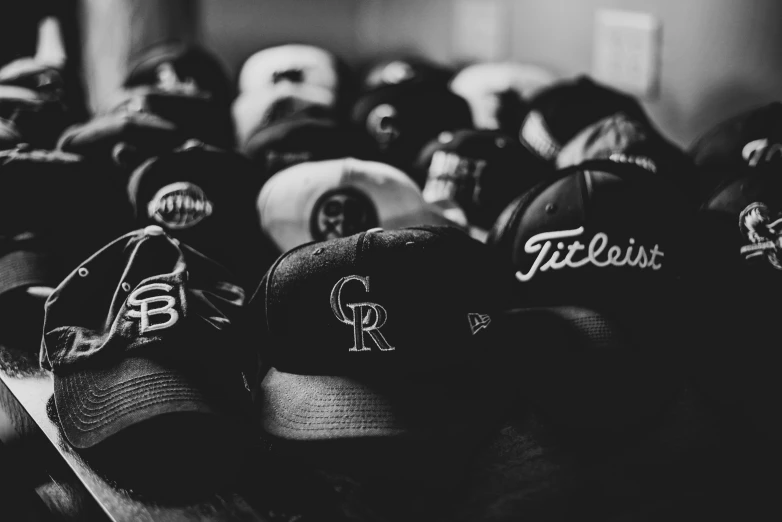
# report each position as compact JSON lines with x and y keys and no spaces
{"x":478,"y":322}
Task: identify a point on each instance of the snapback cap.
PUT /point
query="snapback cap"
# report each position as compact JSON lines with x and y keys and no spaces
{"x":562,"y":110}
{"x":399,"y":324}
{"x":146,"y":349}
{"x":403,"y":118}
{"x":749,"y":141}
{"x":481,"y":171}
{"x":322,"y":200}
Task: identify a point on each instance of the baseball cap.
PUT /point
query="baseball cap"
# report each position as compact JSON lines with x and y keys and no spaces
{"x":748,"y":141}
{"x":302,"y":138}
{"x":622,"y":138}
{"x":598,"y":252}
{"x":410,"y":368}
{"x":321,"y":200}
{"x":402,"y":118}
{"x":563,"y":109}
{"x":735,"y":275}
{"x":148,"y":357}
{"x":55,"y":204}
{"x":252,"y":112}
{"x":125,"y":137}
{"x":204,"y":197}
{"x":482,"y":171}
{"x":498,"y":92}
{"x":294,"y":63}
{"x":180,"y":67}
{"x":402,"y":69}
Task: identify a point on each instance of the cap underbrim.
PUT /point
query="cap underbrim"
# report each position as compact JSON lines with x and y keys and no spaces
{"x":317,"y":407}
{"x":94,"y":404}
{"x":25,"y":268}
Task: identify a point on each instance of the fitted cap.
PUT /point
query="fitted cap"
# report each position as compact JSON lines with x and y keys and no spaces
{"x":481,"y":171}
{"x":321,"y":200}
{"x":290,"y":63}
{"x":562,"y":110}
{"x":398,"y":324}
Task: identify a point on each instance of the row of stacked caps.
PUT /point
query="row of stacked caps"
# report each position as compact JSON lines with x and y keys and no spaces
{"x":605,"y":234}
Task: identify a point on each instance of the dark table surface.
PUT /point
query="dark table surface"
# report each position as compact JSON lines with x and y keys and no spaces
{"x":32,"y":394}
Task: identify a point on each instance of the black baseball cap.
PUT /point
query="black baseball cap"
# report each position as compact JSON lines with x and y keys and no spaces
{"x":410,"y":367}
{"x":481,"y":171}
{"x":125,"y":138}
{"x":61,"y":202}
{"x":205,"y":197}
{"x":598,"y":252}
{"x":394,"y":70}
{"x":149,"y":359}
{"x":748,"y":141}
{"x":302,"y":138}
{"x":736,"y":273}
{"x":403,"y":118}
{"x":562,"y":110}
{"x":622,"y":138}
{"x":185,"y":65}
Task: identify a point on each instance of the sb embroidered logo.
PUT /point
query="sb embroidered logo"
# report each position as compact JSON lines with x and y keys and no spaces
{"x":478,"y":322}
{"x":364,"y":317}
{"x":763,"y":232}
{"x":144,"y":313}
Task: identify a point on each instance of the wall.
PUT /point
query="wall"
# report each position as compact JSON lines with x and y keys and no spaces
{"x":235,"y":29}
{"x":719,"y":56}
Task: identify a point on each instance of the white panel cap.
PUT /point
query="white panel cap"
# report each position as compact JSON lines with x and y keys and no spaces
{"x":480,"y":83}
{"x":321,"y":200}
{"x":297,"y":63}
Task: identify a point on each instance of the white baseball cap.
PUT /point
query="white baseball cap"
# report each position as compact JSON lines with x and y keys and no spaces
{"x":321,"y":200}
{"x":481,"y":83}
{"x":290,"y":63}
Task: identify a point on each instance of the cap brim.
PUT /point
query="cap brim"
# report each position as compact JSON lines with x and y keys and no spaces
{"x":25,"y":268}
{"x":94,"y":404}
{"x":586,"y":371}
{"x":318,"y":407}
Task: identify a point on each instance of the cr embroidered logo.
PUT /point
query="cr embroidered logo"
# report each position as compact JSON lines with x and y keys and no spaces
{"x":365,"y":317}
{"x":764,"y":233}
{"x":543,"y":244}
{"x":145,"y":313}
{"x":478,"y":322}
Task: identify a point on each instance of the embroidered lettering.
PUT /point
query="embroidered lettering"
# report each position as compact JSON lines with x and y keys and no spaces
{"x":366,"y":318}
{"x":145,"y":313}
{"x":764,"y":233}
{"x":549,"y":257}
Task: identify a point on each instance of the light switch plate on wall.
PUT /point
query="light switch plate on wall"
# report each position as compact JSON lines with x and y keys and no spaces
{"x":480,"y":29}
{"x":626,"y":53}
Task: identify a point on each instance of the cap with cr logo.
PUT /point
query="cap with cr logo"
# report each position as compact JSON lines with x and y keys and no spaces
{"x":380,"y":334}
